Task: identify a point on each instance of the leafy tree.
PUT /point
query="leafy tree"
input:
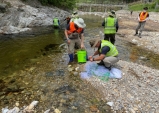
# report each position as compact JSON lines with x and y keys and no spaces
{"x":60,"y":3}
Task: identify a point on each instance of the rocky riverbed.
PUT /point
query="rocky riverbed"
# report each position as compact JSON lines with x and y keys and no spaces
{"x":137,"y":91}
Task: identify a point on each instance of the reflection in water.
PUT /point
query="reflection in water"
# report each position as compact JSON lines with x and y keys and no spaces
{"x":56,"y":33}
{"x":18,"y":51}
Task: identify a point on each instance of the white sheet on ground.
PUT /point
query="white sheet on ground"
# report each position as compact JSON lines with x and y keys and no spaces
{"x":92,"y":69}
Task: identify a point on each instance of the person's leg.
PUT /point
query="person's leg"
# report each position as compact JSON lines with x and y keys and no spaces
{"x":138,"y":27}
{"x":106,"y":37}
{"x":112,"y":38}
{"x":78,"y":43}
{"x":141,"y":28}
{"x":71,"y":49}
{"x":109,"y":61}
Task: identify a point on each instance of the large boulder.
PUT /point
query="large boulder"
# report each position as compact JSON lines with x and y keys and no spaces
{"x":21,"y":17}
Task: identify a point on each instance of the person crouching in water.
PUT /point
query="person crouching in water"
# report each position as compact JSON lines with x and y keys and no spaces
{"x":108,"y":54}
{"x":74,"y":34}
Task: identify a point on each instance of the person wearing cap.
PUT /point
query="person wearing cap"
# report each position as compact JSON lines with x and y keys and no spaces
{"x":143,"y":16}
{"x":74,"y":34}
{"x":74,"y":16}
{"x":67,"y":19}
{"x":108,"y":54}
{"x":56,"y":23}
{"x":110,"y":27}
{"x":113,"y":12}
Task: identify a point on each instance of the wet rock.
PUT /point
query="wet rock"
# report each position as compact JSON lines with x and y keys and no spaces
{"x":64,"y":89}
{"x":12,"y":88}
{"x":49,"y":74}
{"x":93,"y":108}
{"x":12,"y":81}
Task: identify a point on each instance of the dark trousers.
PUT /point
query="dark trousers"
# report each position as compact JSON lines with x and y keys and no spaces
{"x":110,"y":37}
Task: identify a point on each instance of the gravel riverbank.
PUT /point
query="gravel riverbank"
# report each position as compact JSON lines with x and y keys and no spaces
{"x":138,"y":90}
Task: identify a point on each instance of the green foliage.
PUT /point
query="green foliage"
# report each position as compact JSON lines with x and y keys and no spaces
{"x":24,"y":0}
{"x":59,"y":3}
{"x":140,"y":6}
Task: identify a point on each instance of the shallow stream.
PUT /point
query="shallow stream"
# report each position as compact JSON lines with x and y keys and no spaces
{"x":30,"y":69}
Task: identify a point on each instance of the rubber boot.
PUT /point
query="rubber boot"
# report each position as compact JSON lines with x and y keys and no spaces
{"x":71,"y":57}
{"x":136,"y":33}
{"x":139,"y":35}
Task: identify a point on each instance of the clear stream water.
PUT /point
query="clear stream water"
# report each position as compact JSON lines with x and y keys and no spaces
{"x":16,"y":50}
{"x":30,"y":70}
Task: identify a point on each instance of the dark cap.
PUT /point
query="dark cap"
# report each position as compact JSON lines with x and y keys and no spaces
{"x":113,"y":12}
{"x":145,"y":8}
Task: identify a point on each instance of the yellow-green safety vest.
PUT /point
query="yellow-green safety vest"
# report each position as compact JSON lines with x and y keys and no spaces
{"x":112,"y":52}
{"x":110,"y":27}
{"x":55,"y":22}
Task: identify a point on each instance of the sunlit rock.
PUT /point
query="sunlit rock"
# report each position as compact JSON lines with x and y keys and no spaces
{"x":57,"y":111}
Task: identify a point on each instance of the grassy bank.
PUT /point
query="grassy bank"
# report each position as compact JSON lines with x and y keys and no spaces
{"x":137,"y":6}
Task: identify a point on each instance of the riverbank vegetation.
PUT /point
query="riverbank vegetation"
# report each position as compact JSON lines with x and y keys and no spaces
{"x":63,"y":4}
{"x":152,"y":6}
{"x":134,"y":5}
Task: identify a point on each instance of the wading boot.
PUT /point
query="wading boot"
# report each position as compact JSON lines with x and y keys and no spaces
{"x":109,"y":68}
{"x":136,"y":33}
{"x":101,"y":63}
{"x":139,"y":35}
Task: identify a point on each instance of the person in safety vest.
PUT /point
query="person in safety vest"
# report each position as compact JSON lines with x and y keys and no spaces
{"x":143,"y":16}
{"x":110,"y":27}
{"x":74,"y":16}
{"x":108,"y":54}
{"x":56,"y":23}
{"x":74,"y":34}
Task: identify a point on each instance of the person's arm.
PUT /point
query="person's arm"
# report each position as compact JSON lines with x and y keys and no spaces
{"x":95,"y":53}
{"x":82,"y":40}
{"x":103,"y":24}
{"x":91,"y":57}
{"x":58,"y":22}
{"x":66,"y":35}
{"x":139,"y":16}
{"x":147,"y":18}
{"x":117,"y":25}
{"x":102,"y":55}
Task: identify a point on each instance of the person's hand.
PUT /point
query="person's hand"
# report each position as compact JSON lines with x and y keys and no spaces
{"x":68,"y":41}
{"x":90,"y":57}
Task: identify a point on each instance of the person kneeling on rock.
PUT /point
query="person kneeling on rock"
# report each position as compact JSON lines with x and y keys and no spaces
{"x":108,"y":54}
